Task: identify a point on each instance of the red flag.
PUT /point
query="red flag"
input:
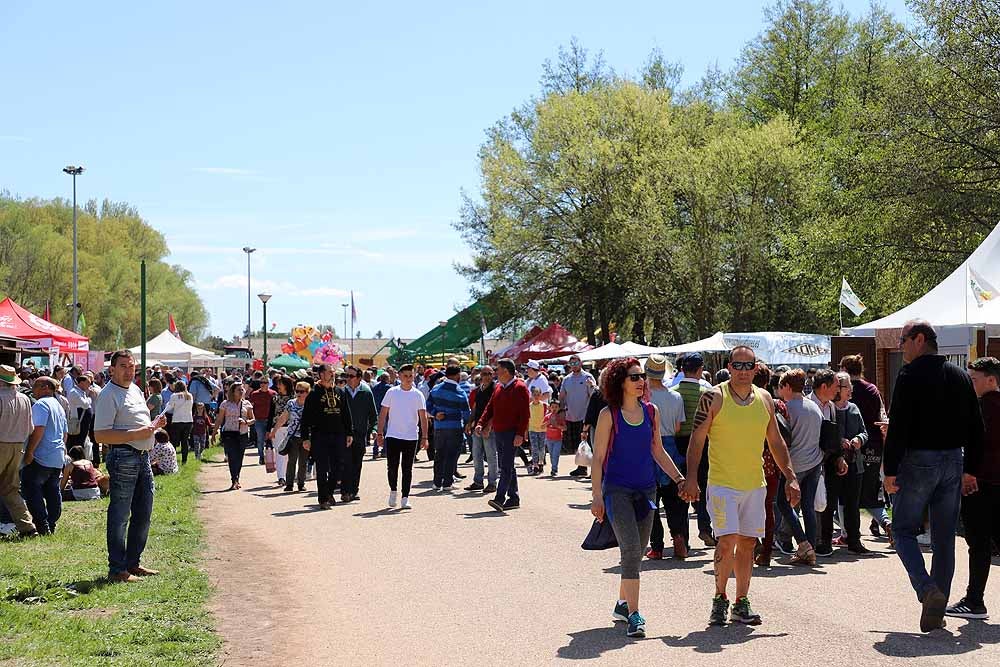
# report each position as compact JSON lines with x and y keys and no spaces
{"x":354,"y":312}
{"x":172,"y":326}
{"x":48,"y":313}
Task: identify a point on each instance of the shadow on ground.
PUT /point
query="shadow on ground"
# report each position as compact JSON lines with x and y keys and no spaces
{"x":971,"y":636}
{"x":716,"y":639}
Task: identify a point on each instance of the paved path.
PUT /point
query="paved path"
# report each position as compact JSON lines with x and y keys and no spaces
{"x":451,"y":582}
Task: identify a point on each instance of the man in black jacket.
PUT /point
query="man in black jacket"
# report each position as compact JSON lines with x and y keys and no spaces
{"x":326,"y":428}
{"x":365,"y":418}
{"x":934,"y":415}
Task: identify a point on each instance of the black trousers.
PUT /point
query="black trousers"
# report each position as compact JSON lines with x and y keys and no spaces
{"x":571,"y":437}
{"x":981,"y":517}
{"x":325,"y":449}
{"x":677,"y":516}
{"x":350,"y":463}
{"x":400,"y":452}
{"x":846,"y":490}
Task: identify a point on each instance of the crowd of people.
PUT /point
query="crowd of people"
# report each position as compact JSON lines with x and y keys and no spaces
{"x":767,"y":458}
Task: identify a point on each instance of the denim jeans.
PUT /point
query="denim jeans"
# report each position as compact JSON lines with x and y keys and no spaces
{"x":808,"y":483}
{"x":131,"y":494}
{"x":928,"y":480}
{"x":484,"y":448}
{"x":555,"y":449}
{"x":449,"y":443}
{"x":537,"y":441}
{"x":507,"y":484}
{"x":260,"y":429}
{"x":40,"y":489}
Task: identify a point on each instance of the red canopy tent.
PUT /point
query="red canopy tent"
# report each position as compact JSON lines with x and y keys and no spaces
{"x":552,"y":341}
{"x":503,"y":354}
{"x":20,"y":323}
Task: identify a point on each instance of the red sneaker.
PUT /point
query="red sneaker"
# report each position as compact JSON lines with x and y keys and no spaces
{"x":653,"y":554}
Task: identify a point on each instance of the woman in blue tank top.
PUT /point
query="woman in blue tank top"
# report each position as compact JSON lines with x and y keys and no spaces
{"x":627,"y":441}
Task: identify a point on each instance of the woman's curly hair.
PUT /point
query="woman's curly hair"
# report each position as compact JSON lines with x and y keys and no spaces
{"x":613,"y":379}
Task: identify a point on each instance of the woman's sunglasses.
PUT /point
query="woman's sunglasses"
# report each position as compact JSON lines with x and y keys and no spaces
{"x":636,"y":377}
{"x":301,"y":391}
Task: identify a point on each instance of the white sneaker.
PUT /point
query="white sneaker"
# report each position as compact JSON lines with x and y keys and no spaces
{"x":405,"y":504}
{"x":437,"y":488}
{"x":7,"y":528}
{"x":392,"y":499}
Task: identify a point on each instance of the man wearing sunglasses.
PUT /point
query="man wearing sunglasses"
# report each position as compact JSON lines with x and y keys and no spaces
{"x":574,"y":396}
{"x":365,"y":418}
{"x":737,"y":416}
{"x":934,"y":414}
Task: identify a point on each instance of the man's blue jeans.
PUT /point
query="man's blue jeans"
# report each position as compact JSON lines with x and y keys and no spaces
{"x":131,"y":494}
{"x":808,"y":483}
{"x":484,"y":448}
{"x":260,"y":429}
{"x":931,"y":480}
{"x":40,"y":490}
{"x":507,"y":484}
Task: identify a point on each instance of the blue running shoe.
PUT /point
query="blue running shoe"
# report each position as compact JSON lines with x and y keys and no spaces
{"x":621,"y":612}
{"x":636,"y":625}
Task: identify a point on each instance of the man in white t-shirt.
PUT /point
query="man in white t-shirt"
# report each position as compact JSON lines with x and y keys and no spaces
{"x":536,"y":378}
{"x":402,"y":419}
{"x":122,"y":420}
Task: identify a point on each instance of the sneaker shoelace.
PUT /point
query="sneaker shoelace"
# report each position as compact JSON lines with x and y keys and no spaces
{"x":636,"y":619}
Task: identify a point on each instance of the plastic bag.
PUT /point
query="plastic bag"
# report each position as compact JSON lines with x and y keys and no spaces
{"x":584,"y":455}
{"x":819,"y":504}
{"x":281,"y":440}
{"x":269,"y":463}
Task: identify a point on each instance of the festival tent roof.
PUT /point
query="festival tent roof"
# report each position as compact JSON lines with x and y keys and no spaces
{"x":168,"y":347}
{"x":18,"y":322}
{"x":288,"y":362}
{"x":464,"y":327}
{"x":772,"y":347}
{"x":614,"y":351}
{"x":952,"y":302}
{"x":523,"y":340}
{"x":552,"y":341}
{"x":714,"y":343}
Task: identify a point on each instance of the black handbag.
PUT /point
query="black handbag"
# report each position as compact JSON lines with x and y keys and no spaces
{"x":600,"y":537}
{"x":829,"y":438}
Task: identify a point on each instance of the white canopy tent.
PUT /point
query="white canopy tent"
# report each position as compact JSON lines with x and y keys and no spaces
{"x":772,"y":347}
{"x":167,"y":348}
{"x":613,"y":351}
{"x":952,"y":305}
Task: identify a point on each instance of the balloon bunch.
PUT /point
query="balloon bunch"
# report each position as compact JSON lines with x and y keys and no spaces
{"x":308,"y":344}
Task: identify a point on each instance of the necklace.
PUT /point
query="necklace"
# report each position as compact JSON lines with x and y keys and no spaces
{"x":743,"y":399}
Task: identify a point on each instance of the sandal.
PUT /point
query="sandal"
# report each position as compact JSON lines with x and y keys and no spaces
{"x":233,"y":486}
{"x":807,"y":558}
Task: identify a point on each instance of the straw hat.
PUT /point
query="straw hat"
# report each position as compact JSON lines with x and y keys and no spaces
{"x":657,"y":366}
{"x":9,"y":376}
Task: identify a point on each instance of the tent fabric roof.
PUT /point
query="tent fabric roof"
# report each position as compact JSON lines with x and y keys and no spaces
{"x":714,"y":343}
{"x":952,"y":302}
{"x":532,"y":332}
{"x":168,"y":346}
{"x":287,"y":362}
{"x":553,"y":341}
{"x":19,"y":322}
{"x":463,"y":328}
{"x":615,"y":351}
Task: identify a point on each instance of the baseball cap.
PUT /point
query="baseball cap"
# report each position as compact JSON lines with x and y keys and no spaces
{"x":534,"y":365}
{"x":692,"y":362}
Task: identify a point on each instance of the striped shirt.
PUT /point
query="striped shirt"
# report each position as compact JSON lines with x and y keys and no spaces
{"x":690,"y":390}
{"x":449,"y":398}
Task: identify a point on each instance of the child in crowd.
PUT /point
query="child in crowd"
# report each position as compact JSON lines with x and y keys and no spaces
{"x":81,"y":480}
{"x":536,"y":431}
{"x":163,"y":458}
{"x":555,"y":424}
{"x":202,"y":428}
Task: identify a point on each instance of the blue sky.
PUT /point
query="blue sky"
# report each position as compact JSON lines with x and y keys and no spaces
{"x":336,"y":140}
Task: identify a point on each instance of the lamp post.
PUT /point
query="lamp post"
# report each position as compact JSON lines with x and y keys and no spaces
{"x":444,"y":330}
{"x":264,"y":296}
{"x":248,"y":250}
{"x":74,"y":172}
{"x":343,"y":336}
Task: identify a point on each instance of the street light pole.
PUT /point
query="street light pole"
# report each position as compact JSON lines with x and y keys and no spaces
{"x":344,"y":335}
{"x":444,"y":330}
{"x":74,"y":172}
{"x":248,"y":250}
{"x":264,"y":296}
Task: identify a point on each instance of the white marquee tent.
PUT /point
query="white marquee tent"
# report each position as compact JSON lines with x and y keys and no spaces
{"x":772,"y":347}
{"x":168,"y":348}
{"x":612,"y":351}
{"x":952,"y":304}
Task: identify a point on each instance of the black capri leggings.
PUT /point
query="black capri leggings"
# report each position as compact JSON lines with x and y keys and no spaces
{"x":235,"y":443}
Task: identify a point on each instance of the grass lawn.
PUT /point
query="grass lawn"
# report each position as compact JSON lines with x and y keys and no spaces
{"x":57,"y":608}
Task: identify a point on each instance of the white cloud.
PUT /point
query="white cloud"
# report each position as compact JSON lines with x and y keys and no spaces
{"x":225,"y":171}
{"x":285,"y":288}
{"x":323,"y":249}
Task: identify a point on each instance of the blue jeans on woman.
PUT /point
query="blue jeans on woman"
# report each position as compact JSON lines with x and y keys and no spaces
{"x":808,"y":483}
{"x":928,"y":479}
{"x":130,"y":507}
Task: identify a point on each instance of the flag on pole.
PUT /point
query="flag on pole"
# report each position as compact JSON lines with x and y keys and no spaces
{"x":850,"y":299}
{"x":82,"y":324}
{"x":172,"y":326}
{"x":48,"y":313}
{"x":354,"y":312}
{"x":118,"y":338}
{"x":982,"y":290}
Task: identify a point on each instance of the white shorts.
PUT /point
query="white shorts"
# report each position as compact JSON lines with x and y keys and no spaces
{"x":736,"y":512}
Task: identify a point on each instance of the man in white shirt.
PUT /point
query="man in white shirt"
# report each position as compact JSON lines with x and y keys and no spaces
{"x":402,"y":419}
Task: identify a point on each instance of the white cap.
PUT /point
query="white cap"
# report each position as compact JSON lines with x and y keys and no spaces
{"x":533,"y":365}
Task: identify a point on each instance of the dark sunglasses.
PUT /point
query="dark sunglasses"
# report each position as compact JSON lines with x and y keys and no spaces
{"x":636,"y":377}
{"x":301,"y":391}
{"x":743,"y":365}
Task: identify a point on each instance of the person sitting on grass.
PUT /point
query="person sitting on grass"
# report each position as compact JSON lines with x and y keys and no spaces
{"x":163,"y":457}
{"x":82,"y":481}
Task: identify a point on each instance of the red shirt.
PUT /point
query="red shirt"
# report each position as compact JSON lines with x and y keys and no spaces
{"x":261,"y":399}
{"x":508,"y":409}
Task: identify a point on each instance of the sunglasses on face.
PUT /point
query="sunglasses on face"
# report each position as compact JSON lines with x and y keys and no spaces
{"x":636,"y":377}
{"x":743,"y":365}
{"x":574,"y":363}
{"x":301,"y":391}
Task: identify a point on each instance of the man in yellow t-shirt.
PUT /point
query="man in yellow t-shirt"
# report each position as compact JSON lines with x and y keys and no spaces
{"x":737,"y":417}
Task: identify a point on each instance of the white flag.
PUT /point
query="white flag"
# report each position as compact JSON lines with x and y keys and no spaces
{"x":850,"y":299}
{"x":981,"y":289}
